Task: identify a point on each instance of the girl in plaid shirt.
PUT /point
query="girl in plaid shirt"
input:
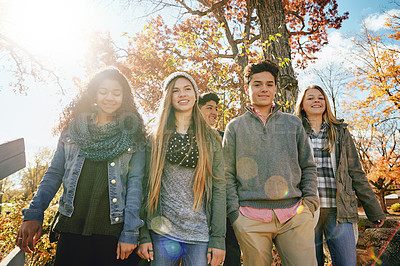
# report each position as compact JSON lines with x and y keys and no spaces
{"x":340,"y":178}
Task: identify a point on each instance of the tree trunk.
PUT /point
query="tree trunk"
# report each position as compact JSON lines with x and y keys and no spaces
{"x":381,"y":198}
{"x":271,"y":20}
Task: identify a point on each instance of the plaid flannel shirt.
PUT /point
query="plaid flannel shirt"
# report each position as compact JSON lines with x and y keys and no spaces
{"x":325,"y":175}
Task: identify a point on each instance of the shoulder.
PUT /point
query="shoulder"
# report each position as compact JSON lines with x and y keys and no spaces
{"x":288,"y":119}
{"x":65,"y":137}
{"x":287,"y":116}
{"x":238,"y":120}
{"x":215,"y":139}
{"x":341,"y":127}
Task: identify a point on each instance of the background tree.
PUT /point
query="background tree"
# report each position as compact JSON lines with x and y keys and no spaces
{"x":334,"y":78}
{"x":376,"y":116}
{"x":33,"y":174}
{"x":234,"y":33}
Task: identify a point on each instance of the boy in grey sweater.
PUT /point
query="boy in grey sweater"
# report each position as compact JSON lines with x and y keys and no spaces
{"x":271,"y":176}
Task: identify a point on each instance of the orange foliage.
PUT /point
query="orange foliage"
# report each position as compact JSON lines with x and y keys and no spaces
{"x":394,"y":23}
{"x":10,"y":221}
{"x":214,"y":41}
{"x":307,"y":22}
{"x":158,"y":50}
{"x":376,"y":116}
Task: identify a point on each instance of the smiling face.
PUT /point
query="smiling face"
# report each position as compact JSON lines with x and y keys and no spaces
{"x":210,"y":112}
{"x":183,"y":96}
{"x":261,"y":90}
{"x":314,"y":103}
{"x":109,"y":97}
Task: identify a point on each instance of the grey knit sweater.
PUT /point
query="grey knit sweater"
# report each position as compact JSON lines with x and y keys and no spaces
{"x":268,"y":167}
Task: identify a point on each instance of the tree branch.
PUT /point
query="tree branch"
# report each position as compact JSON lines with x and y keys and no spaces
{"x":12,"y":45}
{"x":213,"y":8}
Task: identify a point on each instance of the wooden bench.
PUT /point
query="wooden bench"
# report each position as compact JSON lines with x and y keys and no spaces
{"x":12,"y":159}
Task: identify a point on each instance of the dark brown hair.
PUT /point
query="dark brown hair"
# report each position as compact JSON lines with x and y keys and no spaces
{"x":263,"y":66}
{"x":206,"y":97}
{"x":85,"y":100}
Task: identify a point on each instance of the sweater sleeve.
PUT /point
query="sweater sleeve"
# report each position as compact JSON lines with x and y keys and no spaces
{"x":308,"y":183}
{"x":232,"y":198}
{"x":218,"y":217}
{"x":360,"y":182}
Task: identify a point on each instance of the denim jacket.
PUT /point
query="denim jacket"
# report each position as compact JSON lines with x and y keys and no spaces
{"x":125,"y":175}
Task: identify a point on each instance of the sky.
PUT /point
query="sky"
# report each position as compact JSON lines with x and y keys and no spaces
{"x":33,"y":116}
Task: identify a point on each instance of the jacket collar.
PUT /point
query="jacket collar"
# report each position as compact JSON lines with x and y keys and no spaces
{"x":307,"y":126}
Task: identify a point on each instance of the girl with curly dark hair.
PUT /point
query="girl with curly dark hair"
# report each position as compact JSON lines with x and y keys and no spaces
{"x":100,"y":161}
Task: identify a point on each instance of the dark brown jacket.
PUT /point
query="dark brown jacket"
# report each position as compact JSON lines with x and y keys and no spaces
{"x":351,"y":180}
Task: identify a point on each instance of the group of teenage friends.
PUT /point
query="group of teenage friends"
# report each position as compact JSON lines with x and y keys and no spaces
{"x":282,"y":179}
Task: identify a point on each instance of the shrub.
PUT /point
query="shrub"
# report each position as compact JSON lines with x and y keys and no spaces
{"x":9,"y":225}
{"x":395,"y":207}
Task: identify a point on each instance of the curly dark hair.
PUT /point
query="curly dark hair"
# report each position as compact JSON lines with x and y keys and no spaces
{"x":85,"y":100}
{"x":263,"y":66}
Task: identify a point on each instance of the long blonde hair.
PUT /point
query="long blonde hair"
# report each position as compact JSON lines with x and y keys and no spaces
{"x":160,"y":138}
{"x":327,"y":116}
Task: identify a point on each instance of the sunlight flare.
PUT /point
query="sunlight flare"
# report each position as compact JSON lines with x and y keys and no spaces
{"x":50,"y":29}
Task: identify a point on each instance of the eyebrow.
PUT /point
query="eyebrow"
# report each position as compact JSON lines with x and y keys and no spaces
{"x":114,"y":89}
{"x":259,"y":81}
{"x":188,"y":85}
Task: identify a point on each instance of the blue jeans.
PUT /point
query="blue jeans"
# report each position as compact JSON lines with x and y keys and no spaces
{"x":340,"y":239}
{"x":170,"y":252}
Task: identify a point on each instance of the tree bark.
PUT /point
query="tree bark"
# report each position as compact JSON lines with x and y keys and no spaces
{"x":271,"y":20}
{"x":381,"y":198}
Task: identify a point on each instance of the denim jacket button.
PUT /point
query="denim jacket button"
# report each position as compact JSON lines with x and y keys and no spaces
{"x":115,"y":200}
{"x":112,"y":164}
{"x":116,"y":219}
{"x":113,"y":181}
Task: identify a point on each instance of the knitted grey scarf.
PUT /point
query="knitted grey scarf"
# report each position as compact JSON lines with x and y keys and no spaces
{"x":103,"y":143}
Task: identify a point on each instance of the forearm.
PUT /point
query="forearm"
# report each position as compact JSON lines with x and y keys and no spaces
{"x":130,"y":232}
{"x":218,"y":222}
{"x":308,"y":182}
{"x":360,"y":182}
{"x":232,"y":198}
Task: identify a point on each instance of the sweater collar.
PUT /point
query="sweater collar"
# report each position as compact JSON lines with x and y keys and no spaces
{"x":275,"y":109}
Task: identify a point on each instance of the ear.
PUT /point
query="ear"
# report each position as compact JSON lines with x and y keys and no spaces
{"x":246,"y":89}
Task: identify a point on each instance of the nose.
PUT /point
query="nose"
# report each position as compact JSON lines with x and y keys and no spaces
{"x":182,"y":93}
{"x":264,"y":88}
{"x":109,"y":97}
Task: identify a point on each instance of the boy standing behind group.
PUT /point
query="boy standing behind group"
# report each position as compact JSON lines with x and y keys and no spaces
{"x":208,"y":103}
{"x":271,"y":177}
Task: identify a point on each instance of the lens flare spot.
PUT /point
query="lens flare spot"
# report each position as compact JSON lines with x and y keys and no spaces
{"x":171,"y":249}
{"x":247,"y":168}
{"x":160,"y":225}
{"x":300,"y":209}
{"x":276,"y":187}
